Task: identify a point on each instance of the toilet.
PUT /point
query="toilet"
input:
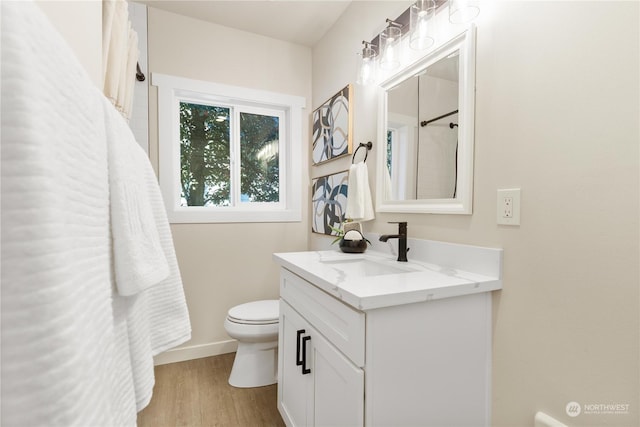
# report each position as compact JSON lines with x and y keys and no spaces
{"x":255,"y":326}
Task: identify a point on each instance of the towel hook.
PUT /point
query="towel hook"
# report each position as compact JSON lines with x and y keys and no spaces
{"x":139,"y":74}
{"x":368,"y":145}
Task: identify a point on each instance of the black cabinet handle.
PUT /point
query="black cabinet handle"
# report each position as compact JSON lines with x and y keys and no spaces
{"x":298,"y":358}
{"x":305,"y":370}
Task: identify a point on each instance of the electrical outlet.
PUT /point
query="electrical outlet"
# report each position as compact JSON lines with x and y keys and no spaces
{"x":508,"y":209}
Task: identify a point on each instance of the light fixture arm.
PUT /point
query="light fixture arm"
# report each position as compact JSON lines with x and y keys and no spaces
{"x":392,"y":23}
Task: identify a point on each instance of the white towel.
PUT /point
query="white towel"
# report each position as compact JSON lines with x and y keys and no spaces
{"x":120,"y":55}
{"x":154,"y":317}
{"x":74,"y":352}
{"x":359,"y":205}
{"x":60,"y":358}
{"x":138,"y":257}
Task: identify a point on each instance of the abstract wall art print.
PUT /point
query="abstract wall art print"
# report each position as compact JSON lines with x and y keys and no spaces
{"x":328,"y":202}
{"x":332,"y":127}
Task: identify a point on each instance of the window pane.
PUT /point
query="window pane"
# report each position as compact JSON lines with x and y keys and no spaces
{"x":204,"y":155}
{"x":259,"y":147}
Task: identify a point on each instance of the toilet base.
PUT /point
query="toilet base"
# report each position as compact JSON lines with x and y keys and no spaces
{"x":255,"y":365}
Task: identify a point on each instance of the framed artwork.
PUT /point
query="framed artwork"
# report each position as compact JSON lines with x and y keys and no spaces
{"x":332,"y":127}
{"x":329,"y":202}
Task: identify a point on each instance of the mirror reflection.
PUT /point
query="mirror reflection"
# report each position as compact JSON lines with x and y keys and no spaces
{"x":422,"y":133}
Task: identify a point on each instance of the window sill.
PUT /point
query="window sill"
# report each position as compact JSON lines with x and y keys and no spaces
{"x":193,"y":215}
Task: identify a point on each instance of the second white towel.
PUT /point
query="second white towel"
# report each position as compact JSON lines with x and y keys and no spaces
{"x":138,"y":255}
{"x":359,"y":204}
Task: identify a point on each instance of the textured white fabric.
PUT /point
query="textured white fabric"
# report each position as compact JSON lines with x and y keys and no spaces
{"x":156,"y":314}
{"x":359,"y":204}
{"x":74,"y":351}
{"x":120,"y":55}
{"x":138,"y":256}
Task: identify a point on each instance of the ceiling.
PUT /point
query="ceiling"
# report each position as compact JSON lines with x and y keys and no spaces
{"x":297,"y":21}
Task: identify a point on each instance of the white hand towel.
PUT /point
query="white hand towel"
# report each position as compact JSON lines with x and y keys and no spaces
{"x":359,"y":204}
{"x":138,"y":256}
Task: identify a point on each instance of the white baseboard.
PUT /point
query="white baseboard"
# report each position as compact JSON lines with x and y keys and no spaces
{"x":181,"y":354}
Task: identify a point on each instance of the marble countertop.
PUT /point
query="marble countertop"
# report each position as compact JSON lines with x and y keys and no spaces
{"x":375,"y":279}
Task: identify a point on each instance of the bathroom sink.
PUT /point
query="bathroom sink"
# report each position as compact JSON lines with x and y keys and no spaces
{"x":365,"y":266}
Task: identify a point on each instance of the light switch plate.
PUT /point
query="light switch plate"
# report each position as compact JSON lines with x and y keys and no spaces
{"x":508,"y":209}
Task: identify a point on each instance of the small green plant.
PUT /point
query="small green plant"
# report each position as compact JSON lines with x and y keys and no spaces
{"x":339,"y":233}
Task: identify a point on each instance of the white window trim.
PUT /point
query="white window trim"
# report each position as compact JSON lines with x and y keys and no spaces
{"x":171,"y":90}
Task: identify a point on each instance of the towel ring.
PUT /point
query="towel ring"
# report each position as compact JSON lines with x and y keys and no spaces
{"x":368,"y":145}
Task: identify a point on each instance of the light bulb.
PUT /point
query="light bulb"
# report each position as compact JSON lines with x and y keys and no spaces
{"x":367,"y":65}
{"x":390,"y":47}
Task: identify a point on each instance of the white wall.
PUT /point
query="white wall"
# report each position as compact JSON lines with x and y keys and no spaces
{"x":223,"y":265}
{"x":139,"y":121}
{"x":557,"y":107}
{"x":80,"y":23}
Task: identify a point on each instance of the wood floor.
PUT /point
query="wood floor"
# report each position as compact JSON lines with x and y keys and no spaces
{"x":196,"y":393}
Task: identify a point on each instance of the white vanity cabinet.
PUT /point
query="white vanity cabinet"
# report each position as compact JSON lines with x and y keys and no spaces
{"x":318,"y":384}
{"x":424,"y":363}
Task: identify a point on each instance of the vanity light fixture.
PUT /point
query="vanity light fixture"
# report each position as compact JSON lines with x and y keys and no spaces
{"x":390,"y":45}
{"x":463,"y":11}
{"x":421,"y":24}
{"x":384,"y":50}
{"x":367,"y":64}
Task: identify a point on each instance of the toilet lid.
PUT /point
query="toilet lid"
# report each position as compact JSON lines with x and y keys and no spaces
{"x":267,"y":311}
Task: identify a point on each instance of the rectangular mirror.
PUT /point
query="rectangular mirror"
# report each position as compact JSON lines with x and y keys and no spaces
{"x":426,"y":130}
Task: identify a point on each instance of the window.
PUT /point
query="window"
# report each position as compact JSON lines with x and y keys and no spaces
{"x":228,"y":154}
{"x":391,"y":136}
{"x":402,"y":147}
{"x":209,"y":134}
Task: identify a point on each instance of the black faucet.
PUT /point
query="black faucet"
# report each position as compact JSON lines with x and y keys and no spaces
{"x":402,"y":240}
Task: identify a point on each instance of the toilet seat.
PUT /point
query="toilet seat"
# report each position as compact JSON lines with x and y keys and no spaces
{"x":264,"y":312}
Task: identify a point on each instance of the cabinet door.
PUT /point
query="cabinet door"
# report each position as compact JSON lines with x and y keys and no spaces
{"x":295,"y":389}
{"x":338,"y":387}
{"x":317,"y":384}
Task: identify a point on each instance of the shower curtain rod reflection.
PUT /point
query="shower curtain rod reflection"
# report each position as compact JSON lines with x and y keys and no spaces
{"x":426,"y":122}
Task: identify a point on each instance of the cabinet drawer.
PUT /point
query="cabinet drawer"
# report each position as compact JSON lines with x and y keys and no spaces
{"x":343,"y":326}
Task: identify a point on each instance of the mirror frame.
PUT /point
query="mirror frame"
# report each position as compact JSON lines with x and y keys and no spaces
{"x":463,"y":202}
